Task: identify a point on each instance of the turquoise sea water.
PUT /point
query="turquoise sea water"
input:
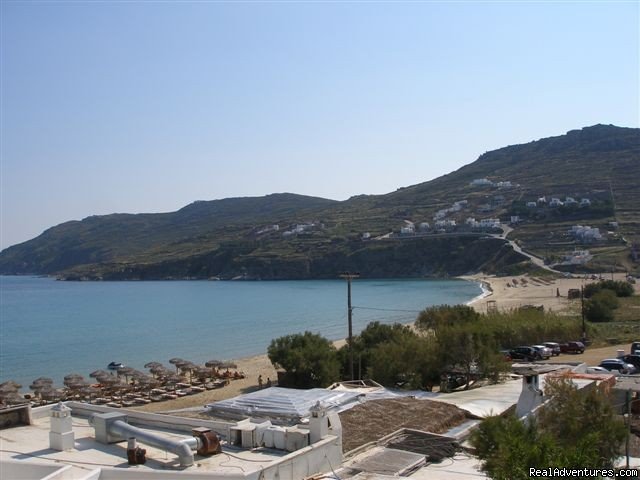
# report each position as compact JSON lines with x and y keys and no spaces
{"x":51,"y":328}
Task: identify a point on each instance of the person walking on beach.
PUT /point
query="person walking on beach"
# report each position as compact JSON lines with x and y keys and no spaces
{"x":268,"y":382}
{"x":260,"y":382}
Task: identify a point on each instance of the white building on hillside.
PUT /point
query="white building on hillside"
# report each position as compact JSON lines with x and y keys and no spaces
{"x":481,"y":182}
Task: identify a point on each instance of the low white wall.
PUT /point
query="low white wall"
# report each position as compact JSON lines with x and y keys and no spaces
{"x":322,"y":456}
{"x":26,"y":470}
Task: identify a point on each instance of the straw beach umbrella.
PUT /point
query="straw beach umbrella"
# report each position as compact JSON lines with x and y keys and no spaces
{"x":228,"y":365}
{"x":42,"y":381}
{"x":73,"y":378}
{"x":9,"y":386}
{"x":99,"y":373}
{"x":13,"y":398}
{"x":39,"y":383}
{"x":8,"y":391}
{"x":213,"y":363}
{"x":50,"y":394}
{"x":175,"y":361}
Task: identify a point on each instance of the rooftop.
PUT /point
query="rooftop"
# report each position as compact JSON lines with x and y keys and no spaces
{"x":25,"y":451}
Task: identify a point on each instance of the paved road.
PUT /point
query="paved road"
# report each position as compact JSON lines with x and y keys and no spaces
{"x":535,"y":260}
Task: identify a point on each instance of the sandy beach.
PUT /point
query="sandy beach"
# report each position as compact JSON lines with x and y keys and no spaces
{"x":506,"y":292}
{"x":514,"y":292}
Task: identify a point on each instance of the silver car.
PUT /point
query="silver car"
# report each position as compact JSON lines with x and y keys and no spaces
{"x":545,"y":352}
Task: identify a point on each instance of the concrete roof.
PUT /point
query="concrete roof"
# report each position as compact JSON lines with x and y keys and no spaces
{"x":485,"y":401}
{"x":628,"y":383}
{"x":461,"y":467}
{"x":28,"y":442}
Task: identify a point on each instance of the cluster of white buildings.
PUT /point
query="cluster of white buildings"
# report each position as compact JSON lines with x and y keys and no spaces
{"x":483,"y":224}
{"x":485,"y":182}
{"x":557,"y":202}
{"x":456,"y":207}
{"x":577,"y":257}
{"x":447,"y":225}
{"x":409,"y":228}
{"x":268,"y":228}
{"x":585,"y":234}
{"x":300,"y":229}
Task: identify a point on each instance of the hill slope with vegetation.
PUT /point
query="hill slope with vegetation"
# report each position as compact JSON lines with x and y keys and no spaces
{"x":318,"y":238}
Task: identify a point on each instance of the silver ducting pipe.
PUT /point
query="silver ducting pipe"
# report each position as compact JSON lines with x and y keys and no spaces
{"x":182,"y":448}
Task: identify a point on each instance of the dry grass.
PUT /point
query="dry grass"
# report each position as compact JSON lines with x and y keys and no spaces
{"x":373,"y":420}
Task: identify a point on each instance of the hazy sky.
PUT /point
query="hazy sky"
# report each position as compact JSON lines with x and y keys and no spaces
{"x":147,"y":106}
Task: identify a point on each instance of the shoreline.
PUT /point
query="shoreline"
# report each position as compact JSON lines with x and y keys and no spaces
{"x":507,"y":292}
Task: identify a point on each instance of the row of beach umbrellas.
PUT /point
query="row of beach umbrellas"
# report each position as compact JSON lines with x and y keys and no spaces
{"x":77,"y":385}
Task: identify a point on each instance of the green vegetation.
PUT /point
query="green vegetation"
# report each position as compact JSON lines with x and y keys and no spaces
{"x":449,"y":342}
{"x":225,"y":238}
{"x":308,"y":359}
{"x":619,"y":288}
{"x":575,"y":429}
{"x":603,"y":299}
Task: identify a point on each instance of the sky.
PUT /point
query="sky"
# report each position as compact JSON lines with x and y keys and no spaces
{"x":148,"y":106}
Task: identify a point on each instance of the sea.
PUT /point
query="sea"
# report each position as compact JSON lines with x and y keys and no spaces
{"x":53,"y":328}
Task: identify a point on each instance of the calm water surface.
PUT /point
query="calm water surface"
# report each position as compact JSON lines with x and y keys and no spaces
{"x":52,"y":328}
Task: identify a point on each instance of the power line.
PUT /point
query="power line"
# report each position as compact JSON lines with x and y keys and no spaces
{"x":388,"y":309}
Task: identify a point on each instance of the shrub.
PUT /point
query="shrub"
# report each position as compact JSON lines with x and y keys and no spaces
{"x":597,"y":311}
{"x":607,"y":297}
{"x":620,"y":288}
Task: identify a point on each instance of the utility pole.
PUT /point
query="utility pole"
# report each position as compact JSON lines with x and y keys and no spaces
{"x":626,"y":443}
{"x":584,"y":329}
{"x":348,"y":276}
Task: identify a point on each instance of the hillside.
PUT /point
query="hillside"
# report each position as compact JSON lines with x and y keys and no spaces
{"x":234,"y":238}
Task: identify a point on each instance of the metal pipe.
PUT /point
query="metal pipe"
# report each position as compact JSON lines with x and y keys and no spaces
{"x":182,"y":448}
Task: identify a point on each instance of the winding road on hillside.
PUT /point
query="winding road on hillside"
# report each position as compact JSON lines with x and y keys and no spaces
{"x":537,"y":261}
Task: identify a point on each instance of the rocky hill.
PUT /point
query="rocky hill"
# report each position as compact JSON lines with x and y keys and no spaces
{"x":597,"y":166}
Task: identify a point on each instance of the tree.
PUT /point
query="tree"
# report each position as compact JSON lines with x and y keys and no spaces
{"x":409,"y":361}
{"x":597,"y":311}
{"x":574,"y":429}
{"x":374,"y":334}
{"x":309,"y":360}
{"x":470,"y":349}
{"x":434,"y":317}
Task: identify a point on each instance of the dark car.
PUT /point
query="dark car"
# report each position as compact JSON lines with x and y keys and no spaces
{"x":572,"y":347}
{"x":632,"y":359}
{"x":527,"y":354}
{"x":618,"y":365}
{"x":635,"y":348}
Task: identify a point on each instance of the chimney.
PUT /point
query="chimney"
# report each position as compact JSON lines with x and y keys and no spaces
{"x":61,"y":436}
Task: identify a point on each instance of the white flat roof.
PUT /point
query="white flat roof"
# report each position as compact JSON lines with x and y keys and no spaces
{"x":31,"y":442}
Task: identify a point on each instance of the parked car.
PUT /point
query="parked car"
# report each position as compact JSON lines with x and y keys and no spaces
{"x":602,"y":370}
{"x":572,"y":347}
{"x":555,"y":347}
{"x":545,"y":352}
{"x":635,"y":348}
{"x":528,"y":354}
{"x":618,"y":365}
{"x":632,"y":359}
